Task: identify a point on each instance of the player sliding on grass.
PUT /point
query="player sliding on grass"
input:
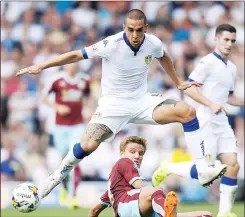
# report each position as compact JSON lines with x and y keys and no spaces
{"x":127,"y":193}
{"x":126,"y":58}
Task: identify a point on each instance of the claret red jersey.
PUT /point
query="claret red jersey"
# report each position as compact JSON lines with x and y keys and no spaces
{"x":69,"y":91}
{"x":123,"y":174}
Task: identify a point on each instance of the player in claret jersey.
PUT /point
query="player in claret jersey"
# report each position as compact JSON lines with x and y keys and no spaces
{"x":70,"y":88}
{"x":127,"y":193}
{"x":126,"y":58}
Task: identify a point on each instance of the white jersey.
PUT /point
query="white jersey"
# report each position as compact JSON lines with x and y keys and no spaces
{"x":218,"y":79}
{"x":124,"y":68}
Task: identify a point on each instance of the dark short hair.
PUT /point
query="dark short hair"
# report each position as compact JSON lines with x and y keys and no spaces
{"x":225,"y":27}
{"x":136,"y":14}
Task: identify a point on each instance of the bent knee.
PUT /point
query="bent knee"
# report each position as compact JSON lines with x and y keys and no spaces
{"x":152,"y":189}
{"x":88,"y":144}
{"x":186,"y":112}
{"x":158,"y":189}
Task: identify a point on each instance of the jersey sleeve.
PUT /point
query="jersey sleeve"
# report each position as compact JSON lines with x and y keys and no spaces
{"x":233,"y":81}
{"x":100,"y":49}
{"x":159,"y":49}
{"x":129,"y":170}
{"x":50,"y":87}
{"x":200,"y":72}
{"x":104,"y":199}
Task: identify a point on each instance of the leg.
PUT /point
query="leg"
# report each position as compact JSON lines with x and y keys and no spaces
{"x":94,"y":135}
{"x":178,"y":111}
{"x":145,"y":201}
{"x":61,"y":142}
{"x":166,"y":168}
{"x":173,"y":110}
{"x":75,"y":175}
{"x":185,"y":169}
{"x":73,"y":184}
{"x":228,"y":185}
{"x":195,"y":214}
{"x":230,"y":159}
{"x":64,"y":191}
{"x":153,"y":199}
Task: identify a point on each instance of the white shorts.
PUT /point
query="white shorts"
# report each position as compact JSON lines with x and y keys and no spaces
{"x":220,"y":135}
{"x":66,"y":136}
{"x":117,"y":113}
{"x":130,"y":208}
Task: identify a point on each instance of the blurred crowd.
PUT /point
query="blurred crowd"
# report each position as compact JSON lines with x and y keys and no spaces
{"x":33,"y":32}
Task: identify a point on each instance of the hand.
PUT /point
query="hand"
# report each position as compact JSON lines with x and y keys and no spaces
{"x":186,"y":84}
{"x":216,"y":108}
{"x":63,"y":110}
{"x":35,"y":69}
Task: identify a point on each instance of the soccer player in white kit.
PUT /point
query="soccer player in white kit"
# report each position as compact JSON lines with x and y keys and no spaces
{"x":217,"y":74}
{"x":126,"y":57}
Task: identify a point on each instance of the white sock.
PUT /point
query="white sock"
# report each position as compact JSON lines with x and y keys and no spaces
{"x":227,"y":197}
{"x":202,"y":153}
{"x":56,"y":178}
{"x":181,"y":169}
{"x":195,"y":145}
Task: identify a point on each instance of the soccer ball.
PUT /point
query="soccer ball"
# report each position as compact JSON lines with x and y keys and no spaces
{"x":25,"y":197}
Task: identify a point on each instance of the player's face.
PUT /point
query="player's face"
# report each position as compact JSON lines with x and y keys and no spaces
{"x":135,"y":30}
{"x":134,"y":152}
{"x":225,"y":42}
{"x":71,"y":68}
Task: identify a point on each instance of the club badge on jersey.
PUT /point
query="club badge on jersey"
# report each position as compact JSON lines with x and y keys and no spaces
{"x":148,"y":59}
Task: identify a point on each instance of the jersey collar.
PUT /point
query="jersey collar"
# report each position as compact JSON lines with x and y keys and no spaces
{"x":219,"y":57}
{"x":135,"y":50}
{"x":71,"y":80}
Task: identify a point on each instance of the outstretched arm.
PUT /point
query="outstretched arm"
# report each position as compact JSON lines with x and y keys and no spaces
{"x":168,"y":66}
{"x":96,"y":210}
{"x":194,"y":93}
{"x":63,"y":59}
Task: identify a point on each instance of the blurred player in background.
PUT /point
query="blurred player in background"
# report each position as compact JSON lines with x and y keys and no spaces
{"x":70,"y":89}
{"x":126,"y":58}
{"x":217,"y":74}
{"x":11,"y":167}
{"x":127,"y":192}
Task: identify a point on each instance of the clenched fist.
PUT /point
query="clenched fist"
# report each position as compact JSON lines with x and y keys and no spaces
{"x":216,"y":108}
{"x":63,"y":110}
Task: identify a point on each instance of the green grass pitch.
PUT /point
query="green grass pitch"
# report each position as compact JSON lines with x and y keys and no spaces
{"x":63,"y":212}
